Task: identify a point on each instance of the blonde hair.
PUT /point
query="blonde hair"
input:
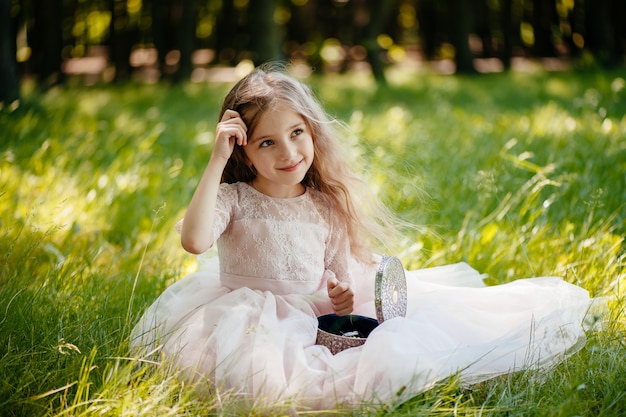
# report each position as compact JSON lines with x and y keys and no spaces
{"x":367,"y":221}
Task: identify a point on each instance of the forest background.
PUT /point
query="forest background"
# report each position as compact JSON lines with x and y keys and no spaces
{"x":106,"y":123}
{"x":114,"y":40}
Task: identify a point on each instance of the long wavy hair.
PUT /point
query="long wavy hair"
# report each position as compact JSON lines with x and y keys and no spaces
{"x":367,"y":221}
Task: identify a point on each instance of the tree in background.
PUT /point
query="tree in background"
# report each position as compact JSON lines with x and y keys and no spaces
{"x":173,"y":33}
{"x":122,"y":37}
{"x":600,"y":17}
{"x":265,"y":38}
{"x":506,"y":27}
{"x":186,"y":38}
{"x":9,"y":84}
{"x":360,"y":31}
{"x":380,"y":12}
{"x":543,"y":18}
{"x":461,"y":15}
{"x":226,"y":34}
{"x":428,"y":14}
{"x":46,"y":35}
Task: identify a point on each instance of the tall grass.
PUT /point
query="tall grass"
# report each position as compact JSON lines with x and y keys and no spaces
{"x":518,"y":174}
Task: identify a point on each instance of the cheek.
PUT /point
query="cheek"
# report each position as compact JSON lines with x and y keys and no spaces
{"x":311,"y":145}
{"x":244,"y":158}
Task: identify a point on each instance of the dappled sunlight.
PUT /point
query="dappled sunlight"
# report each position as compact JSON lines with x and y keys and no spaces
{"x":518,"y":176}
{"x":89,"y":182}
{"x":57,"y":197}
{"x":40,"y":201}
{"x":92,"y":104}
{"x":552,"y":120}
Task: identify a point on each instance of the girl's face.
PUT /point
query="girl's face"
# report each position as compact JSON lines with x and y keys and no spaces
{"x":281,"y":151}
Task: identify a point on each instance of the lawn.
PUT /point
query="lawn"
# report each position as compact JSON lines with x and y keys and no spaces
{"x":519,"y":174}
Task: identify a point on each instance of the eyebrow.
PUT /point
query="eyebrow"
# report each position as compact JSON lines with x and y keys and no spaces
{"x":269,"y":136}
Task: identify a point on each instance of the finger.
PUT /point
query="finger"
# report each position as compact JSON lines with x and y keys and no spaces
{"x":345,"y":296}
{"x":235,"y":121}
{"x":229,"y":114}
{"x":234,"y":132}
{"x":338,"y":288}
{"x":331,"y":283}
{"x":343,"y":309}
{"x":235,"y":125}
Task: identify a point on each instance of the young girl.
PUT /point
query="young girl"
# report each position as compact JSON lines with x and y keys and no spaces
{"x":295,"y":237}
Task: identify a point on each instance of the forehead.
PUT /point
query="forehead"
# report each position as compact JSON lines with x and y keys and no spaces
{"x":277,"y":119}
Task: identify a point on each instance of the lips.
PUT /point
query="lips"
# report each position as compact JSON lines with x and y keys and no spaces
{"x":291,"y":167}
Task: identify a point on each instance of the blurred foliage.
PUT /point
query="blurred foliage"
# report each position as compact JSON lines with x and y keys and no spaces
{"x":331,"y":35}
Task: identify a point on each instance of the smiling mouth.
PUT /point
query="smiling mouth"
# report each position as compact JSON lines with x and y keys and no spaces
{"x":291,"y":167}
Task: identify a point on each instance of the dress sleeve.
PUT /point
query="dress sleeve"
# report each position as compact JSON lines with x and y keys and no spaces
{"x":224,"y":211}
{"x":227,"y":197}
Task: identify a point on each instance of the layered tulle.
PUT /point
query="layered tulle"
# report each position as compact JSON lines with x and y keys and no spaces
{"x":262,"y":345}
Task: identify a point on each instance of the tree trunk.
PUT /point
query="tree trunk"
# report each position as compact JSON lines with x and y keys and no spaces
{"x":461,"y":23}
{"x":380,"y":13}
{"x":186,"y":39}
{"x":226,"y":29}
{"x":265,"y":44}
{"x":427,"y":17}
{"x":599,"y":32}
{"x":9,"y":79}
{"x":618,"y":12}
{"x":301,"y":25}
{"x":506,"y":23}
{"x":482,"y":26}
{"x":544,"y":14}
{"x":121,"y":40}
{"x":166,"y":31}
{"x":47,"y":42}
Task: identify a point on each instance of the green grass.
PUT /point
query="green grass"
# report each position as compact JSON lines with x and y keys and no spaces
{"x":518,"y":174}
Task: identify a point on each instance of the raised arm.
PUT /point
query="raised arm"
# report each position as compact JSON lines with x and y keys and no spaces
{"x":197,"y":232}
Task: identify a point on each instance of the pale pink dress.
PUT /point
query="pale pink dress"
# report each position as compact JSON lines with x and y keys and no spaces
{"x":246,"y":322}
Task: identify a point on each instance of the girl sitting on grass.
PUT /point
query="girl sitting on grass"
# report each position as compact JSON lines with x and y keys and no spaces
{"x":297,"y":231}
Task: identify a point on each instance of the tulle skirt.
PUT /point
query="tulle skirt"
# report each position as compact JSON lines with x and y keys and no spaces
{"x":262,"y":347}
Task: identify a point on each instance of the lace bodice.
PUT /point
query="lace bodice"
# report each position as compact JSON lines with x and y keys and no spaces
{"x":276,"y":244}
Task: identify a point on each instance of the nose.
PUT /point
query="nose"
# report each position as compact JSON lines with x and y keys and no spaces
{"x":287,"y":149}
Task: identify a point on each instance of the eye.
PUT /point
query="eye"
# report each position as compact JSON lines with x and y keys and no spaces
{"x":297,"y":132}
{"x":266,"y":143}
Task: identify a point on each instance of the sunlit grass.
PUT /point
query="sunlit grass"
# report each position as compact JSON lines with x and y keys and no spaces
{"x":518,"y":174}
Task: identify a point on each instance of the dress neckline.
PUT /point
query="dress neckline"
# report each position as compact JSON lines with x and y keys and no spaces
{"x":298,"y":197}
